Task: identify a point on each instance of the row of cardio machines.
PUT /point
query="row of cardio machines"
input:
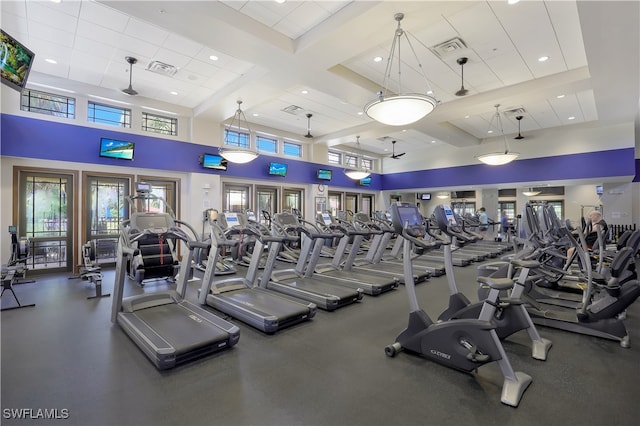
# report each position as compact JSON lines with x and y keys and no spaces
{"x":592,"y":302}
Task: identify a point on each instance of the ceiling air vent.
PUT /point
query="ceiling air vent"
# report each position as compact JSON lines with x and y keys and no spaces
{"x":449,"y":47}
{"x":514,"y":112}
{"x":293,"y":109}
{"x":162,"y":68}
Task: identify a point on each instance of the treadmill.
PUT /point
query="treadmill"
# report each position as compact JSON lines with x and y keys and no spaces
{"x":240,"y":297}
{"x":372,"y":261}
{"x":323,"y":291}
{"x":167,"y":328}
{"x":372,"y":283}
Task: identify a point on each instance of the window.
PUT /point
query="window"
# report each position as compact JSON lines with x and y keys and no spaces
{"x":48,"y":103}
{"x":292,"y":149}
{"x":109,"y":115}
{"x":367,"y":163}
{"x":558,"y":206}
{"x":235,"y":138}
{"x":266,"y":144}
{"x":159,"y":124}
{"x":350,"y":160}
{"x":509,"y":207}
{"x":334,"y":157}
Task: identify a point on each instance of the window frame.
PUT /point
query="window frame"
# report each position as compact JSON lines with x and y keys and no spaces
{"x":157,"y":118}
{"x":126,"y":113}
{"x":67,"y":101}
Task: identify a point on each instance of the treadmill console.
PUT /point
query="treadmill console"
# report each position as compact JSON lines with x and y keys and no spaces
{"x":326,"y":218}
{"x":232,"y":219}
{"x":143,"y":187}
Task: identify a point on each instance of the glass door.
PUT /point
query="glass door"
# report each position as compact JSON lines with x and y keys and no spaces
{"x":367,"y":204}
{"x":266,"y":203}
{"x":292,"y":200}
{"x":335,"y":203}
{"x":45,"y":216}
{"x":236,"y":198}
{"x":105,"y":207}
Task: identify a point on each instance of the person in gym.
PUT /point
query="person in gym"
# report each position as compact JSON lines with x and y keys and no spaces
{"x":595,"y":217}
{"x":504,"y":225}
{"x":484,"y":221}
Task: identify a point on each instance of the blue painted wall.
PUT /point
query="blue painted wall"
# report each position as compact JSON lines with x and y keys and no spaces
{"x":32,"y":138}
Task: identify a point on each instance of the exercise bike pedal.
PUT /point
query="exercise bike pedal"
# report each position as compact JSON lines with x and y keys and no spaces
{"x":474,"y":355}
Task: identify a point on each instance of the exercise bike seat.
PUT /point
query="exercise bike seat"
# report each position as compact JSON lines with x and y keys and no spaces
{"x":496,"y":283}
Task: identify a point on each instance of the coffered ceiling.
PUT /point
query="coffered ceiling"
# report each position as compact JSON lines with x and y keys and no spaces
{"x":292,"y":58}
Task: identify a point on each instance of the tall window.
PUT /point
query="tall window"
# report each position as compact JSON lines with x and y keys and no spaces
{"x":292,"y":149}
{"x":266,"y":144}
{"x":235,"y":138}
{"x":48,"y":103}
{"x":558,"y":206}
{"x":159,"y":124}
{"x":109,"y":115}
{"x":367,"y":163}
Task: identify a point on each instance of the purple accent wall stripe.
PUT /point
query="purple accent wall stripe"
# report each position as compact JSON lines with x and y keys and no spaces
{"x":33,"y":138}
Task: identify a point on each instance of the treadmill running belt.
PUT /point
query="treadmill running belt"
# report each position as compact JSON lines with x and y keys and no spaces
{"x":170,"y":321}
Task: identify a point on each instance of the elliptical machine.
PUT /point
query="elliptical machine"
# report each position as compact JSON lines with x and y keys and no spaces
{"x":462,"y":344}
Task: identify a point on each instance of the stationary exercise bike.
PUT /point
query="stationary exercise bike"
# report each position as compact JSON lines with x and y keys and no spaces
{"x":462,"y":344}
{"x":509,"y":315}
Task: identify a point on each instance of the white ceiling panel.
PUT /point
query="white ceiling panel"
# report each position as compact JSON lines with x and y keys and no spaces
{"x":330,"y":54}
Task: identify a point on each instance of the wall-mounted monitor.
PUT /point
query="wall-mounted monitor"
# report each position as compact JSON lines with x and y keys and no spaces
{"x":425,"y":196}
{"x":213,"y":161}
{"x":324,"y":174}
{"x":277,"y":169}
{"x":365,"y":182}
{"x":112,"y":148}
{"x":599,"y":190}
{"x":15,"y":62}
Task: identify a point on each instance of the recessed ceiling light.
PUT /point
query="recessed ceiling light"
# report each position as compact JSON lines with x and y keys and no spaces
{"x":512,"y":1}
{"x":404,"y":130}
{"x":466,"y":116}
{"x":304,"y":92}
{"x":377,"y":59}
{"x":213,"y":57}
{"x":173,"y":92}
{"x":255,"y":114}
{"x":571,"y":118}
{"x":280,"y":1}
{"x":56,"y":1}
{"x":433,"y":141}
{"x":51,"y":61}
{"x":360,"y":112}
{"x":560,"y":96}
{"x":490,"y":131}
{"x":543,"y":58}
{"x":429,"y":92}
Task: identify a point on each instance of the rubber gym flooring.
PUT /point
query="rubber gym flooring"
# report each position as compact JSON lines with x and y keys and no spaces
{"x":65,"y":356}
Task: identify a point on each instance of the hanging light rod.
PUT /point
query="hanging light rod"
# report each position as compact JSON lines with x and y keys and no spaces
{"x":398,"y":108}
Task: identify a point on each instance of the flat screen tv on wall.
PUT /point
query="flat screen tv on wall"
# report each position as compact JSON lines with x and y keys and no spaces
{"x":112,"y":148}
{"x":15,"y":62}
{"x":212,"y":161}
{"x":325,"y":174}
{"x":365,"y":182}
{"x":277,"y":169}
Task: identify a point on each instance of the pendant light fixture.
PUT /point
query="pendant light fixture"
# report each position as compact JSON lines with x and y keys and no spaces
{"x":129,"y":90}
{"x":519,"y":117}
{"x":361,"y":173}
{"x":503,"y":157}
{"x":392,"y":106}
{"x":462,"y":91}
{"x":309,"y":135}
{"x":237,"y":141}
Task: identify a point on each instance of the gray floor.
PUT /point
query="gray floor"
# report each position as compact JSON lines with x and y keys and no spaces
{"x":65,"y":354}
